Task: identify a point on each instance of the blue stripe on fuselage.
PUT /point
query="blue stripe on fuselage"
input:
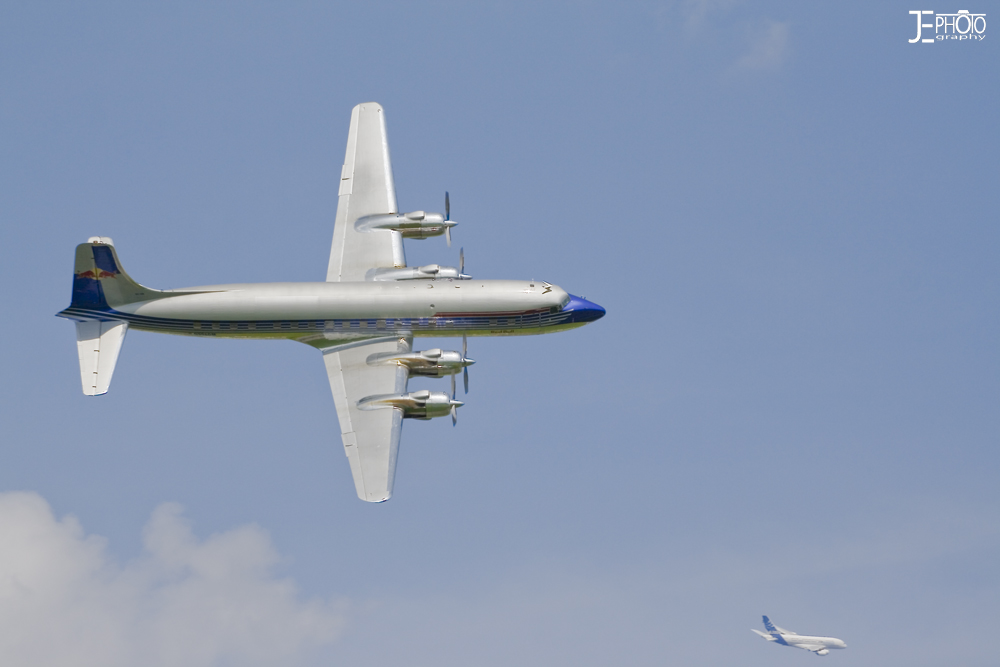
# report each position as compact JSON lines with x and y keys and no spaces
{"x":97,"y":308}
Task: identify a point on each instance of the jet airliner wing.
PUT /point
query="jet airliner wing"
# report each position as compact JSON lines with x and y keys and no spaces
{"x":812,"y":647}
{"x":371,"y":437}
{"x":366,"y":188}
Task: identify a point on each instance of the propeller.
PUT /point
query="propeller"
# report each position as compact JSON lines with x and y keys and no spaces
{"x":447,"y":217}
{"x":465,"y":377}
{"x":465,"y":370}
{"x":461,"y":261}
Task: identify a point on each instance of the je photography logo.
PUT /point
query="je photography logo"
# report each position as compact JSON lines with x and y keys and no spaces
{"x":959,"y":26}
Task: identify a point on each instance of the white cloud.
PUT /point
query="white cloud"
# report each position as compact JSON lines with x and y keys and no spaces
{"x":185,"y":601}
{"x":768,"y":47}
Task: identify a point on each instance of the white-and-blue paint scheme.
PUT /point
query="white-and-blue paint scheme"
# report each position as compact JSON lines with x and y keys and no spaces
{"x":363,"y":318}
{"x":818,"y":645}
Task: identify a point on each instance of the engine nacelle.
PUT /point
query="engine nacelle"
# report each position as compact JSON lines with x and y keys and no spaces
{"x":428,"y":272}
{"x":421,"y":404}
{"x":413,"y":225}
{"x":436,"y":363}
{"x":822,"y":651}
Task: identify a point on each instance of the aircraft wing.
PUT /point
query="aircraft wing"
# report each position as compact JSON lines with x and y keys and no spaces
{"x":811,"y":647}
{"x":371,"y":437}
{"x":366,"y":188}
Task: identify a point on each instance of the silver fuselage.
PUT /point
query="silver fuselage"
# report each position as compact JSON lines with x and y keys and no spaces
{"x":326,"y":311}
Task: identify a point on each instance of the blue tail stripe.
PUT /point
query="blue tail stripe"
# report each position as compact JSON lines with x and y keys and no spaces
{"x":88,"y":293}
{"x":105,"y":259}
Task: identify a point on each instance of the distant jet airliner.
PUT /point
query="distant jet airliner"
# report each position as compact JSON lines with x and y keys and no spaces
{"x":818,"y":645}
{"x":363,"y":318}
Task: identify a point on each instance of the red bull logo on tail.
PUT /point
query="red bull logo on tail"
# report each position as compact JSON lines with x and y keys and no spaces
{"x":96,"y":274}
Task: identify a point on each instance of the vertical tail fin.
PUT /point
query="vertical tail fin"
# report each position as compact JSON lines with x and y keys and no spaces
{"x":768,"y":625}
{"x":99,"y":285}
{"x":99,"y":281}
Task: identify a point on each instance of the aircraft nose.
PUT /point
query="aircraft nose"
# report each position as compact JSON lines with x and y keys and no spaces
{"x":583,"y":310}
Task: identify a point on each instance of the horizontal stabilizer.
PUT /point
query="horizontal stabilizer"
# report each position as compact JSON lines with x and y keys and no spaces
{"x":98,"y":344}
{"x":764,"y":635}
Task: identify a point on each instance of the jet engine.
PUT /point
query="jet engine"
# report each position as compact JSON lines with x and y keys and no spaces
{"x":822,"y":651}
{"x":421,"y":404}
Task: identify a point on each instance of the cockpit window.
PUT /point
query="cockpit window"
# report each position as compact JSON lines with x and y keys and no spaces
{"x":556,"y":309}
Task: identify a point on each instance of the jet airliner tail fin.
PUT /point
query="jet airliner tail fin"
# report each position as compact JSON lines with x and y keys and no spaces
{"x":771,"y":627}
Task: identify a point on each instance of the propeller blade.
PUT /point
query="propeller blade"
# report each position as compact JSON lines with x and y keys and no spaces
{"x":465,"y":370}
{"x":453,"y":386}
{"x":447,"y":235}
{"x":447,"y":206}
{"x":461,"y":262}
{"x":454,"y":414}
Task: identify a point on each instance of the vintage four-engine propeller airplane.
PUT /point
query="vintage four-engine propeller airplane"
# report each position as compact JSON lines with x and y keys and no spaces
{"x":363,"y":318}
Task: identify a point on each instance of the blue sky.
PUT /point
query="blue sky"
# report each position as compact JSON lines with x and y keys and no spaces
{"x":788,"y":211}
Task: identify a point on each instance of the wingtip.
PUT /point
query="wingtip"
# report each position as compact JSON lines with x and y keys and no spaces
{"x":373,"y":497}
